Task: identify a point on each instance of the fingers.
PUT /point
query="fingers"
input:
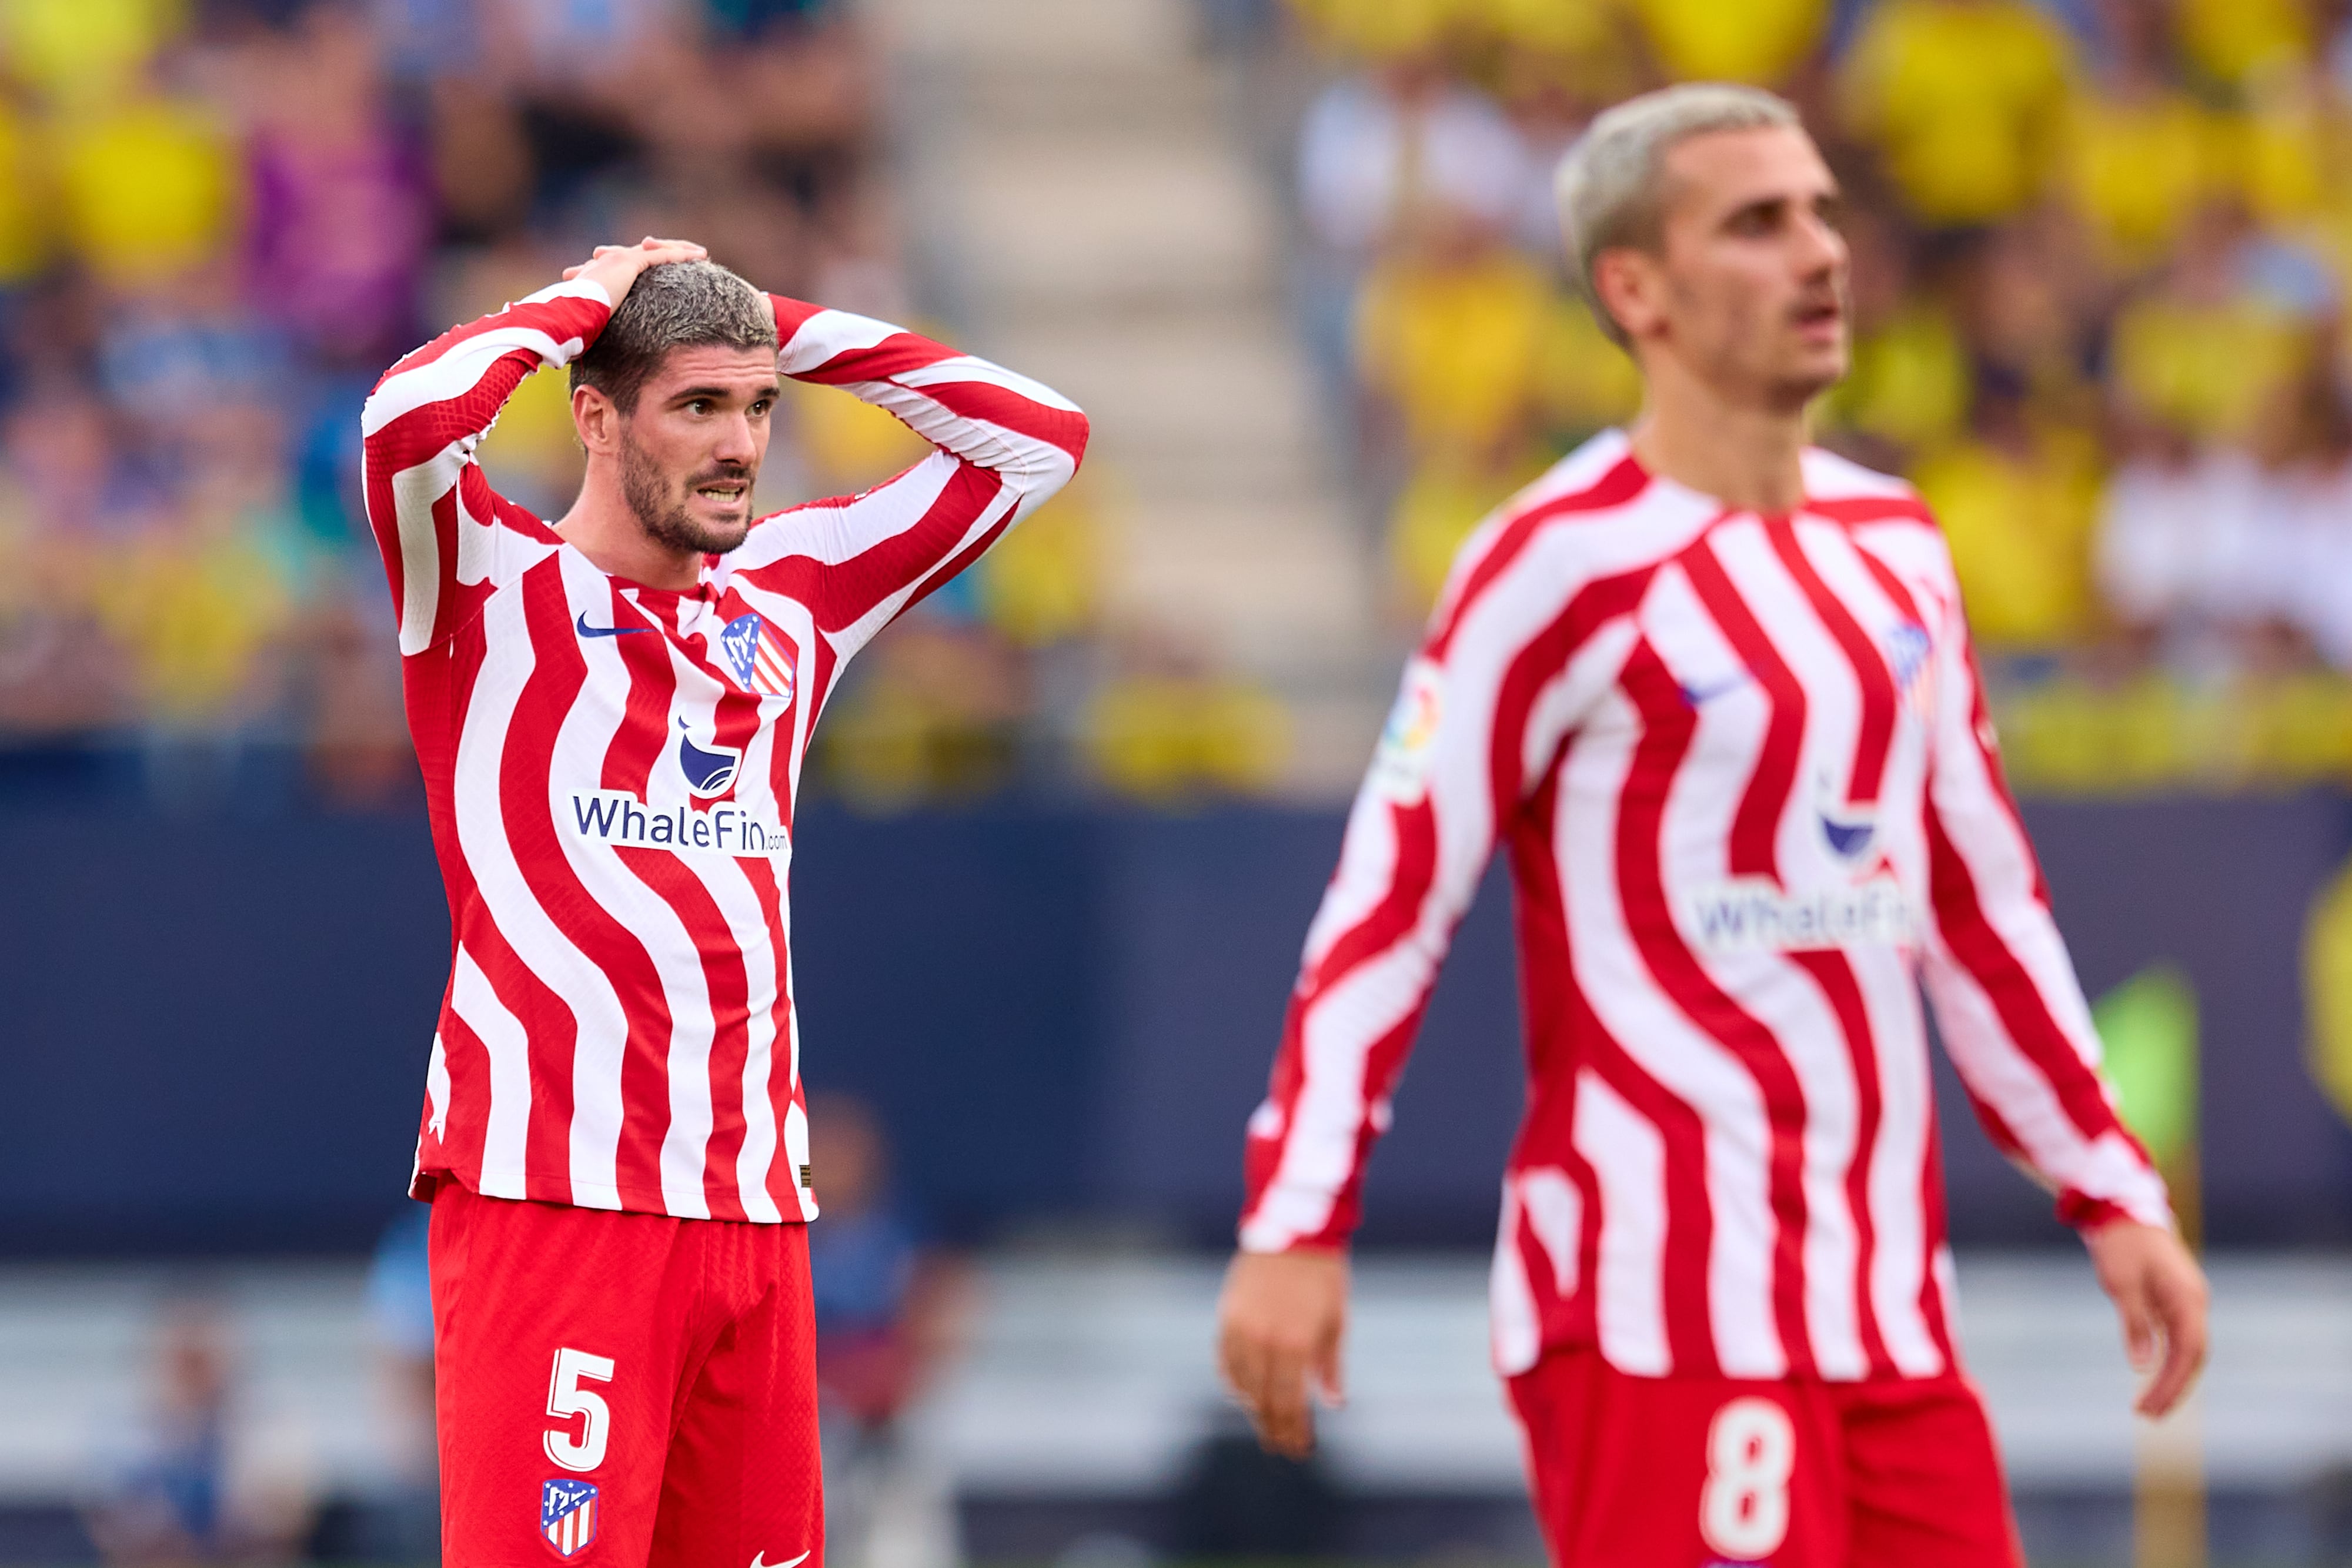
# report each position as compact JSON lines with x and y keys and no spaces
{"x":1286,"y":1420}
{"x":1329,"y":1373}
{"x":1270,"y":1383}
{"x":2139,"y":1325}
{"x":2179,"y":1305}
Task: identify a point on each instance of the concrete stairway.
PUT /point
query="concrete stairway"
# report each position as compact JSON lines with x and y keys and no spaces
{"x":1075,"y":170}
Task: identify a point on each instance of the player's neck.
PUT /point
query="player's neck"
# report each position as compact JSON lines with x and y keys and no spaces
{"x":1750,"y":459}
{"x":604,"y":527}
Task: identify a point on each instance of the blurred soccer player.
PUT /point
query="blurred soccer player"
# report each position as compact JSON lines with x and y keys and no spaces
{"x":1713,"y":692}
{"x":612,"y":713}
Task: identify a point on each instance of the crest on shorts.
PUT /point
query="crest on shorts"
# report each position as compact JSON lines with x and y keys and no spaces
{"x":567,"y":1516}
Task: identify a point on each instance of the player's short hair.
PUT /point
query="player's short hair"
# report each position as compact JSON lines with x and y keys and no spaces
{"x":678,"y":305}
{"x":1610,"y":183}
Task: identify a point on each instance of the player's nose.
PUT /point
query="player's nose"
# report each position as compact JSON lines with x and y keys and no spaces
{"x":736,"y":443}
{"x":1819,"y":247}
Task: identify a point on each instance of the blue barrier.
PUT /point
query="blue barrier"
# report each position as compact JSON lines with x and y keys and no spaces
{"x":212,"y":1029}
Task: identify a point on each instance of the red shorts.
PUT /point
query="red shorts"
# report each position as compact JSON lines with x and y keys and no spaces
{"x":623,"y":1390}
{"x":1686,"y":1473}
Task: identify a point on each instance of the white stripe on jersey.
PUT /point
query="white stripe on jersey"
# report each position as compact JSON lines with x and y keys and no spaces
{"x":504,"y":1145}
{"x":1629,"y":1267}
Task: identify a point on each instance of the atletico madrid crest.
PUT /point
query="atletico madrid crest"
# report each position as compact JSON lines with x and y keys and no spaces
{"x":567,"y":1516}
{"x":757,"y":656}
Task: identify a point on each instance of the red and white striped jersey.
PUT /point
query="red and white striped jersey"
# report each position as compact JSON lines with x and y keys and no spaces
{"x":611,"y":767}
{"x":1744,"y":773}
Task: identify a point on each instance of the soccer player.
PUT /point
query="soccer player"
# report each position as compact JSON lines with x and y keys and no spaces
{"x":1712,"y":691}
{"x":612,"y":712}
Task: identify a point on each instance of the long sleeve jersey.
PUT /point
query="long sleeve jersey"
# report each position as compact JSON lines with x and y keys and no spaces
{"x":610,"y":768}
{"x":1742,"y":769}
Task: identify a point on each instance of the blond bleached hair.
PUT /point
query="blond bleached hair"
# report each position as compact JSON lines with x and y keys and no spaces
{"x":1610,"y":183}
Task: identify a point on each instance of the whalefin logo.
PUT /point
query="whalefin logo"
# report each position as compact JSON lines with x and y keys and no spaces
{"x":709,"y":771}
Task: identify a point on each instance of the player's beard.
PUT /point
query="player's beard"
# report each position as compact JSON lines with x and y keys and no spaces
{"x":660,"y":504}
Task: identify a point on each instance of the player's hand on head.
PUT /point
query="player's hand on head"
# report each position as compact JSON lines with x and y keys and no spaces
{"x":618,"y":266}
{"x":1281,"y":1325}
{"x":2160,"y":1296}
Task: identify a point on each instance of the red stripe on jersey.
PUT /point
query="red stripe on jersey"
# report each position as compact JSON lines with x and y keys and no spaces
{"x":792,"y":315}
{"x":1756,"y":826}
{"x":1874,"y":734}
{"x":554,"y":1034}
{"x":1668,"y":725}
{"x":428,"y":429}
{"x":892,"y":356}
{"x":574,"y":316}
{"x":465,"y":1120}
{"x":1624,"y":481}
{"x":1960,"y":916}
{"x":1559,"y":1021}
{"x":1542,"y":659}
{"x":1833,"y":972}
{"x":1001,"y":405}
{"x":1856,"y":510}
{"x":1931,"y":1288}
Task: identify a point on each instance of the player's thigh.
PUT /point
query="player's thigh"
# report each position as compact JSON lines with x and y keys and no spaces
{"x":1679,"y":1472}
{"x":744,"y":1485}
{"x":557,"y":1339}
{"x":1924,"y":1480}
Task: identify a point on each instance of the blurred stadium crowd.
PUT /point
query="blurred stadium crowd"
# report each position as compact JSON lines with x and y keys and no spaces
{"x":221,"y":219}
{"x":2101,"y":250}
{"x":2101,"y":254}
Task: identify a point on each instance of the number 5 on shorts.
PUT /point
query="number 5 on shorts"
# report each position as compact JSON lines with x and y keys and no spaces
{"x":1751,"y":1450}
{"x":566,"y":1398}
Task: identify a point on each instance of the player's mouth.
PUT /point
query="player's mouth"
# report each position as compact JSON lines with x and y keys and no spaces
{"x":1820,"y":320}
{"x":724,"y":492}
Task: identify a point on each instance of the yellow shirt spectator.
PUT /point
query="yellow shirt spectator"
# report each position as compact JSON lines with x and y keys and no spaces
{"x":2295,"y":150}
{"x":2236,"y":41}
{"x":1379,"y":29}
{"x":83,"y":51}
{"x":2020,"y":531}
{"x":1963,"y":95}
{"x":1459,"y":347}
{"x":2138,"y":167}
{"x":1589,"y":382}
{"x":23,"y":243}
{"x":2207,"y":369}
{"x":1759,"y":41}
{"x":1910,"y":381}
{"x":147,"y":189}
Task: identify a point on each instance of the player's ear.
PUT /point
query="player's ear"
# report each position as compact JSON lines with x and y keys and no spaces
{"x":1628,"y":283}
{"x":595,"y":420}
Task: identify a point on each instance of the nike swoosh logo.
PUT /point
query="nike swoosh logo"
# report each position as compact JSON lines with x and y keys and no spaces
{"x":759,"y":1559}
{"x":1699,"y":696}
{"x":588,"y":630}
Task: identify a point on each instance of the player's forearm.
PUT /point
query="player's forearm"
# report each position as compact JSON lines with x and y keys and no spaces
{"x":1030,"y":436}
{"x":454,"y":387}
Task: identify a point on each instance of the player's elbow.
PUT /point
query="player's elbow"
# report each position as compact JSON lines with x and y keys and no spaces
{"x":1052,"y":458}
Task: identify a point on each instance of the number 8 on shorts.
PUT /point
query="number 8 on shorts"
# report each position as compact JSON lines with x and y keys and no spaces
{"x":1751,"y":1448}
